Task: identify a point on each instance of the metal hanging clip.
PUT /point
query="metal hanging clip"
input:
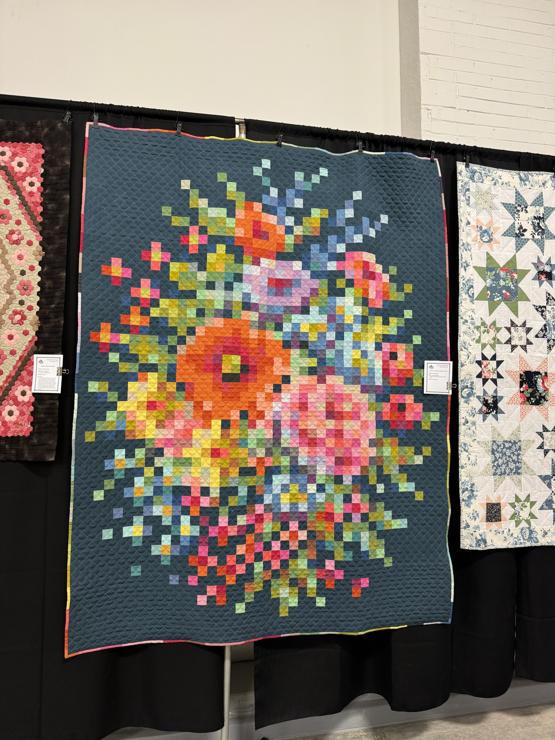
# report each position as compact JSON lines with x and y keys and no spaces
{"x":240,"y":128}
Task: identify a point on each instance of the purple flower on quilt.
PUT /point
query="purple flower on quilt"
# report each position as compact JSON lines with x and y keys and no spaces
{"x":283,"y":285}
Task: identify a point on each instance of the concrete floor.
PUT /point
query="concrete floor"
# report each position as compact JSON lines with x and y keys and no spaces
{"x":529,"y":723}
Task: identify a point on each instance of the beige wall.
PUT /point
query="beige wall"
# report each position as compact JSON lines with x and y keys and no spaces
{"x":488,"y":72}
{"x":318,"y":62}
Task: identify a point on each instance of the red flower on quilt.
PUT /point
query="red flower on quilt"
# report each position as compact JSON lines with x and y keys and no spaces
{"x":14,"y":237}
{"x":401,"y":411}
{"x":17,"y":317}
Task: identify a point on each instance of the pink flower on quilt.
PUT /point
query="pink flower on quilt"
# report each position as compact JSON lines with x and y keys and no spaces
{"x":175,"y":431}
{"x":10,"y":337}
{"x":5,"y":216}
{"x":10,"y":413}
{"x":32,"y":184}
{"x":17,"y":317}
{"x":5,"y":153}
{"x":3,"y":356}
{"x":20,"y":164}
{"x":274,"y":283}
{"x":14,"y":237}
{"x":368,"y":277}
{"x":328,"y":422}
{"x":23,"y":394}
{"x":25,"y":287}
{"x":397,"y":363}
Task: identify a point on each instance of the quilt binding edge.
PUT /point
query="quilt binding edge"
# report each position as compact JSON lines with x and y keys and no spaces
{"x":67,"y":653}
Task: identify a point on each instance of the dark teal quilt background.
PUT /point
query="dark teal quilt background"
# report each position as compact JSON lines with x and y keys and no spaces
{"x":253,"y":452}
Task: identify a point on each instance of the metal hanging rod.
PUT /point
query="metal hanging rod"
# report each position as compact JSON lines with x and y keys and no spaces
{"x":90,"y":107}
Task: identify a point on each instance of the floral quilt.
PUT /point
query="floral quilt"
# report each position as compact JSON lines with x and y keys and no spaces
{"x":253,"y":452}
{"x":34,"y":199}
{"x":21,"y":252}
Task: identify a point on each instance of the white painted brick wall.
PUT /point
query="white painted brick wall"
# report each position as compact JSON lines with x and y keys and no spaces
{"x":488,"y":72}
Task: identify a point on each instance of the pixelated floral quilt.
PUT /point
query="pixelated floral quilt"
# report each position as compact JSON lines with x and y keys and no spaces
{"x":34,"y":198}
{"x":253,"y":452}
{"x":507,"y":369}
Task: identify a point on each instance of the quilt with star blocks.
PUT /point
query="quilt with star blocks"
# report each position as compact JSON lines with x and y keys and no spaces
{"x":507,"y":366}
{"x":253,"y":452}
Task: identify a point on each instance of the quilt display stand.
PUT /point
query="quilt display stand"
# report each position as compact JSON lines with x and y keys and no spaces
{"x":224,"y":734}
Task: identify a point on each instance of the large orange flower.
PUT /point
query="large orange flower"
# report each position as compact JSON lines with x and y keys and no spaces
{"x":228,"y":367}
{"x":257,"y":232}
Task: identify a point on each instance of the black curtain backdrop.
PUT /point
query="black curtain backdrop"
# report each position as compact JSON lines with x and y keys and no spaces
{"x":504,"y":612}
{"x":42,"y":695}
{"x":179,"y":687}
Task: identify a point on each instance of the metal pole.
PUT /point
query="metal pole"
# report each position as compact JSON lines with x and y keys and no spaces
{"x":227,"y":691}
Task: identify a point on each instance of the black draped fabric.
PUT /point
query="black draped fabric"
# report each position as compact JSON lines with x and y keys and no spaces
{"x":504,"y":612}
{"x":42,"y":695}
{"x":179,"y":687}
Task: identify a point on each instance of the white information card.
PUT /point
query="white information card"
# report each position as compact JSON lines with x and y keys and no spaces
{"x":47,"y":373}
{"x":438,"y":376}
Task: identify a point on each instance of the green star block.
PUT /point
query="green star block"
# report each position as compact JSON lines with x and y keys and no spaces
{"x":488,"y":333}
{"x":522,"y":510}
{"x":501,"y":284}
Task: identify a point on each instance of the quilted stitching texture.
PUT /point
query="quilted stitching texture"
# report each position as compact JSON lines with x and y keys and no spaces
{"x":253,"y":453}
